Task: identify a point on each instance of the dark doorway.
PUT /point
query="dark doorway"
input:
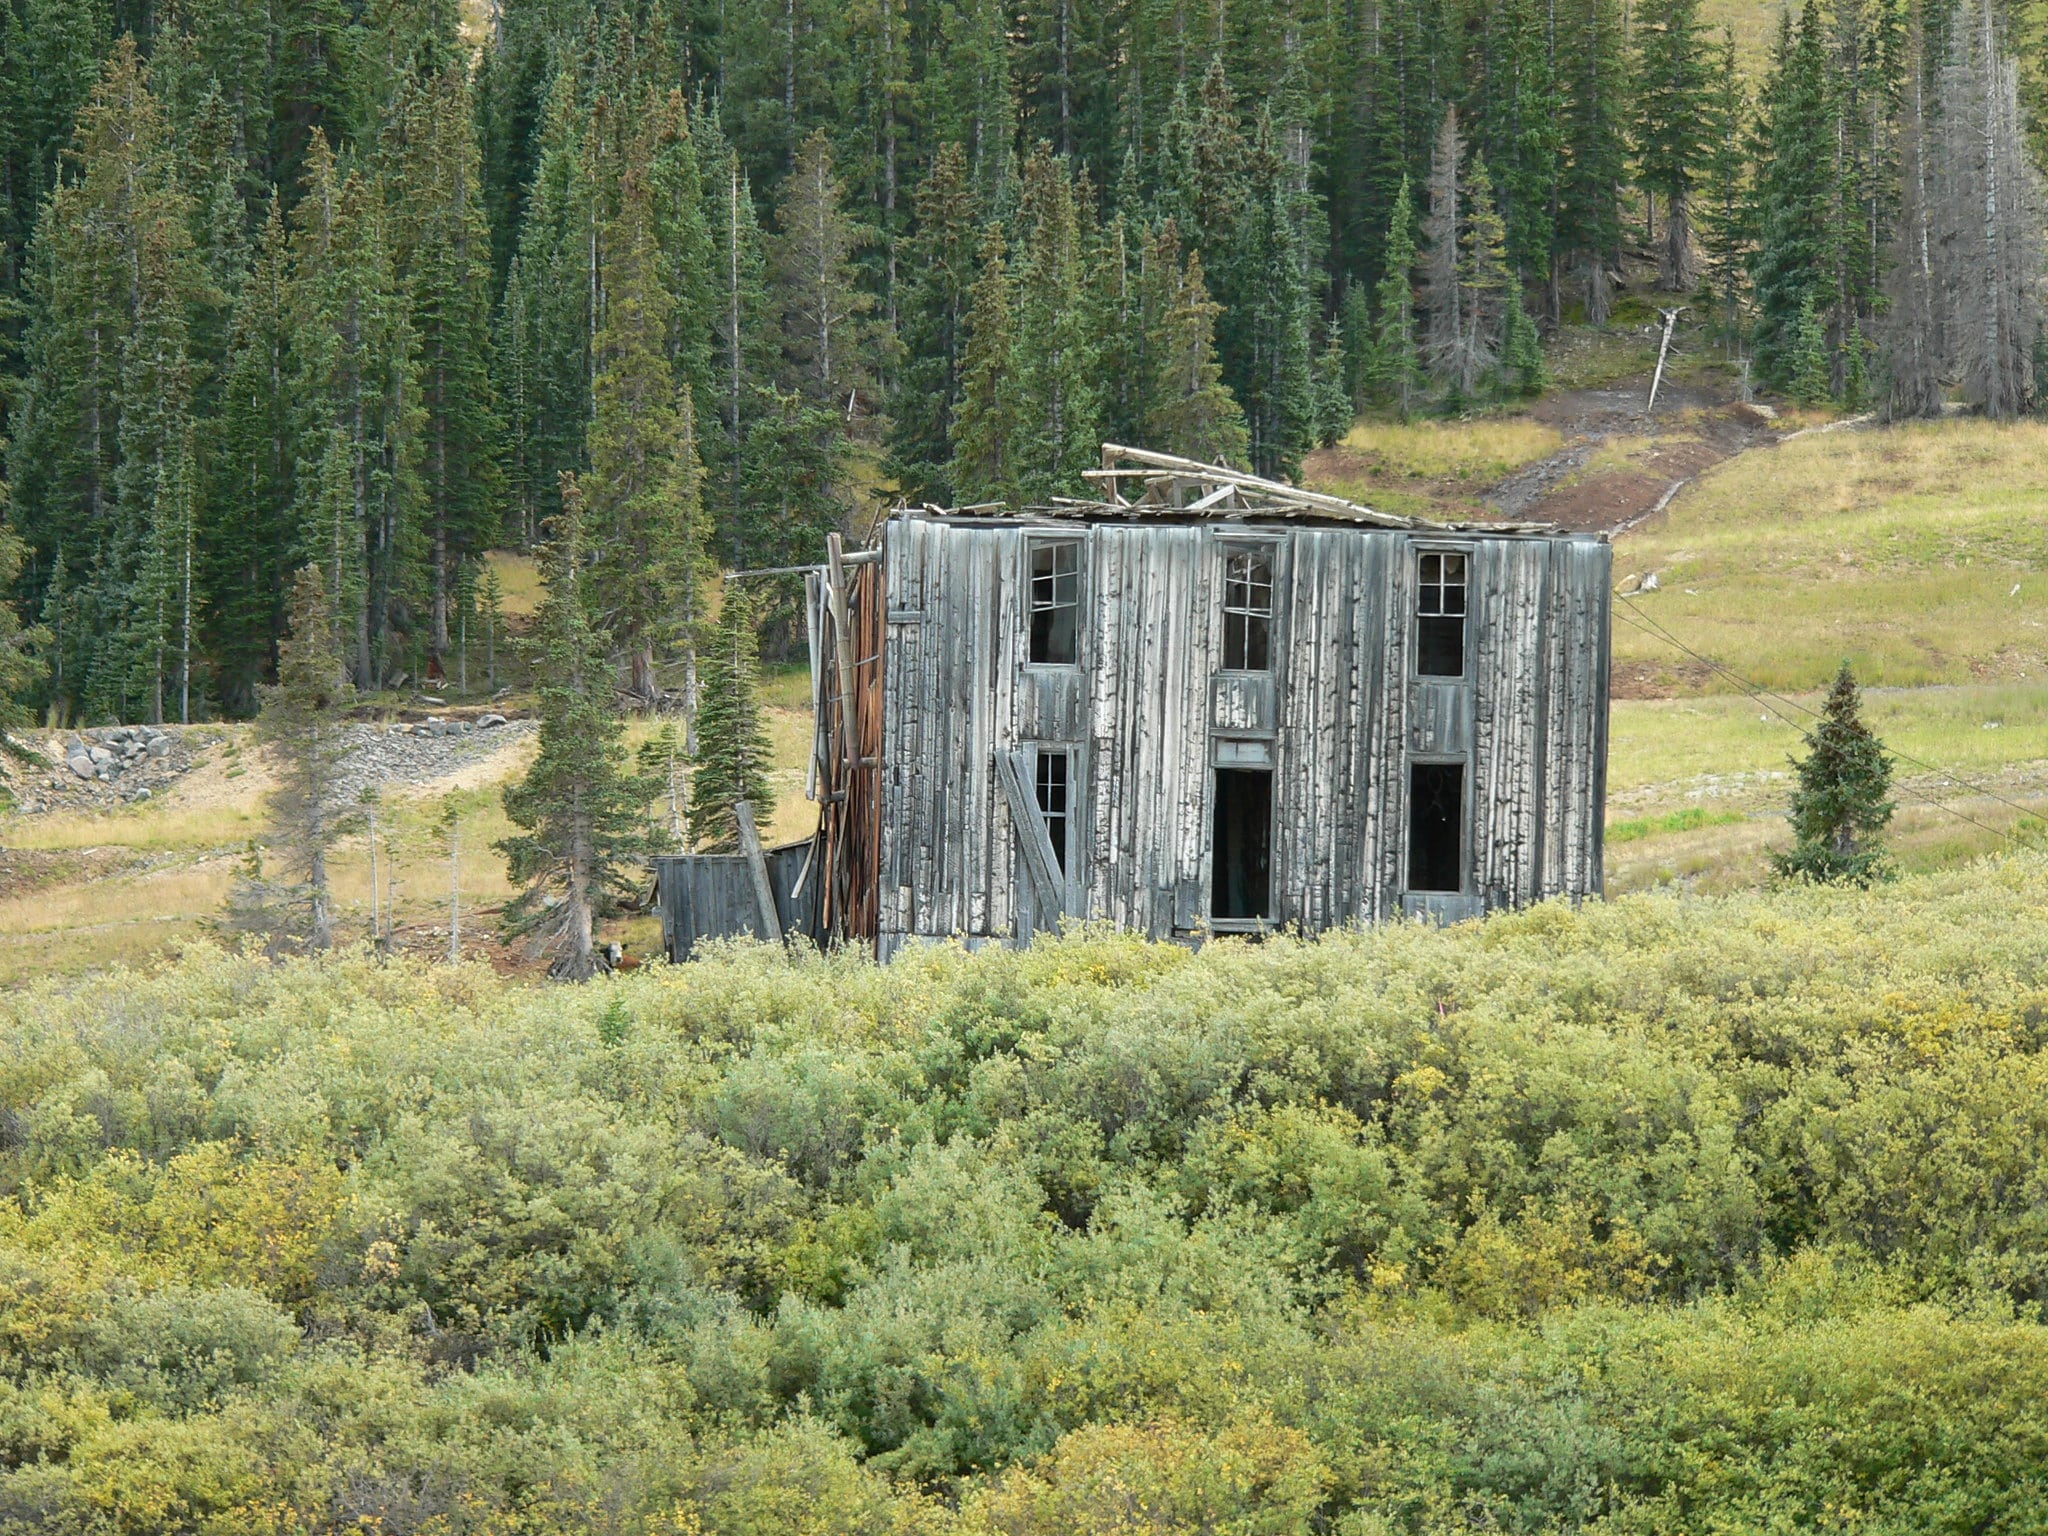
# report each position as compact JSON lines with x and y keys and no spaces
{"x":1436,"y":827}
{"x":1241,"y":837}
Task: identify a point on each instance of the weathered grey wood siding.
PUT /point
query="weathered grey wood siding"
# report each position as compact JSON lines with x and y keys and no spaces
{"x":1148,"y":713}
{"x":711,"y":896}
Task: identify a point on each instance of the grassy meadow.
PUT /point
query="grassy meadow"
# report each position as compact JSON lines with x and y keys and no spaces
{"x":1915,"y":552}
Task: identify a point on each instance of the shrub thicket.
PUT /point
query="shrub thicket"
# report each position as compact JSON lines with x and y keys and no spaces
{"x":1654,"y":1216}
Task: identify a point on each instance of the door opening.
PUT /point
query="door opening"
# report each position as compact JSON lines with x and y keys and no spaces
{"x":1241,"y":843}
{"x":1436,"y":826}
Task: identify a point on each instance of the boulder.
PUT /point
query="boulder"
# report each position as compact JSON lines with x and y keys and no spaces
{"x":490,"y":722}
{"x":159,"y":746}
{"x":81,"y":765}
{"x":100,"y":755}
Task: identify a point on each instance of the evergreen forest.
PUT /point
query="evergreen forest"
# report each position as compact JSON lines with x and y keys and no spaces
{"x":355,"y":283}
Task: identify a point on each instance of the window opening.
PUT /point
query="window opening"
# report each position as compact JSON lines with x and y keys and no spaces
{"x":1436,"y":826}
{"x":1440,"y":615}
{"x":1052,"y":800}
{"x":1248,"y":610}
{"x":1056,"y":602}
{"x":1241,"y":842}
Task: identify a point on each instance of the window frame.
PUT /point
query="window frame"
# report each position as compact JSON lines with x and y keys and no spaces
{"x":1463,"y":764}
{"x":1044,"y":753}
{"x":1417,"y":615}
{"x":1077,"y":542}
{"x":1235,"y":548}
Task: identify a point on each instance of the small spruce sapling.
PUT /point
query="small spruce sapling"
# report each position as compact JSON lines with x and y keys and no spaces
{"x":581,"y":814}
{"x":301,"y":723}
{"x":1810,"y":383}
{"x":732,"y":741}
{"x":1841,"y":805}
{"x":1332,"y":396}
{"x":664,"y":762}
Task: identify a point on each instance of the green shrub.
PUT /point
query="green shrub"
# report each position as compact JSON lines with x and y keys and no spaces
{"x":1653,"y":1215}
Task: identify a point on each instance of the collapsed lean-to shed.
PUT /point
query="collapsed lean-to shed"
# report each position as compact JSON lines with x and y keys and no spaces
{"x":1204,"y":703}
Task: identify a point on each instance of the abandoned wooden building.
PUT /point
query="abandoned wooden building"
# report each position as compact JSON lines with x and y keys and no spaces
{"x":1204,"y":703}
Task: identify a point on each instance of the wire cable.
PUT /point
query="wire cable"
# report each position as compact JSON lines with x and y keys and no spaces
{"x":1784,"y":708}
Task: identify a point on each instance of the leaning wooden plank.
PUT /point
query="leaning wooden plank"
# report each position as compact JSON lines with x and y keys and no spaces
{"x":1031,"y":834}
{"x":757,"y":862}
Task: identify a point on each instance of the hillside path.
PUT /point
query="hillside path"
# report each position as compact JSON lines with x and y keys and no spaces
{"x":1620,"y":464}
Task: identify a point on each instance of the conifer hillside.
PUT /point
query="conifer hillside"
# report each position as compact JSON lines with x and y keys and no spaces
{"x":354,"y":287}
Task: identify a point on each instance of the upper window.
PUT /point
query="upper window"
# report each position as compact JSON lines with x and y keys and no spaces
{"x":1056,"y":602}
{"x":1052,"y":800}
{"x":1440,"y":615}
{"x":1248,"y":610}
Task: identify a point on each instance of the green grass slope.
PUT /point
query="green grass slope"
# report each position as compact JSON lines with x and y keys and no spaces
{"x":1915,"y":552}
{"x":1661,"y":1215}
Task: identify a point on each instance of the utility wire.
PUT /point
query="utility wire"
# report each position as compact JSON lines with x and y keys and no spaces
{"x":1781,"y":706}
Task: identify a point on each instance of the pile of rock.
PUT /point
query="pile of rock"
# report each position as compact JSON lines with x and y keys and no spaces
{"x":114,"y":765}
{"x":435,"y":725}
{"x":107,"y":755}
{"x":420,"y":751}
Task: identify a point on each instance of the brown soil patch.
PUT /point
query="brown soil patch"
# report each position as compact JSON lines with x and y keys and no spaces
{"x":1659,"y":680}
{"x":26,"y":870}
{"x":1702,"y":431}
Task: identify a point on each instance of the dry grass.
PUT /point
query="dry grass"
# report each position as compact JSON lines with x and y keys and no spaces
{"x":519,"y":583}
{"x":1476,"y":452}
{"x":1913,"y":552}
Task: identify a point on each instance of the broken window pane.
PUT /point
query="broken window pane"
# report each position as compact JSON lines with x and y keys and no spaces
{"x":1052,"y":800}
{"x":1440,"y":615}
{"x":1436,"y":826}
{"x":1248,"y":610}
{"x":1056,"y":602}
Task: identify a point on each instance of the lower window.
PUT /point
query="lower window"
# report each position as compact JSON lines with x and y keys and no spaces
{"x":1436,"y":827}
{"x":1052,"y":800}
{"x":1241,"y":840}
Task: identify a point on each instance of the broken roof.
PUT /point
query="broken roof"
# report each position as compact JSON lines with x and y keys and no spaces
{"x":1138,"y":483}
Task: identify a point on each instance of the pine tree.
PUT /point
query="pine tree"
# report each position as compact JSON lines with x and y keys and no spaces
{"x":352,"y":356}
{"x":248,"y":532}
{"x":1264,"y":331}
{"x":1333,"y":412}
{"x":732,"y":741}
{"x":1521,"y":355}
{"x":1395,"y":376}
{"x":1840,"y":806}
{"x":1052,"y":362}
{"x":441,"y":253}
{"x":302,"y":722}
{"x":23,"y":665}
{"x":970,"y":99}
{"x":1671,"y":124}
{"x":1591,"y":85}
{"x":112,"y":287}
{"x":1808,"y":362}
{"x":937,"y":289}
{"x":580,"y":812}
{"x":740,"y":365}
{"x":145,"y":577}
{"x":824,"y":313}
{"x":545,"y":324}
{"x":1797,"y":198}
{"x":1443,"y":238}
{"x":1193,"y":414}
{"x":1725,"y":228}
{"x":645,"y":512}
{"x":985,"y":431}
